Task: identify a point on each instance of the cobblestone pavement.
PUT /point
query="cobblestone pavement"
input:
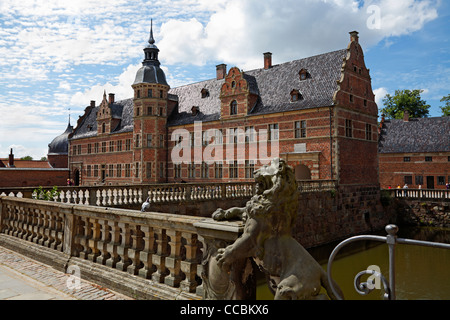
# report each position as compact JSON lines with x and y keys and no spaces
{"x":22,"y":278}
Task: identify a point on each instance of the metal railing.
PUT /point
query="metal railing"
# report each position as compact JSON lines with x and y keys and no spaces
{"x":391,"y":239}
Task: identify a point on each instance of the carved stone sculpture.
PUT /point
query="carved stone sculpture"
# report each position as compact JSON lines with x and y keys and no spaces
{"x":269,"y":217}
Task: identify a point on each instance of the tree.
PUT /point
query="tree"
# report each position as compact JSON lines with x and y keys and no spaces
{"x":27,"y":158}
{"x":43,"y":158}
{"x":405,"y":100}
{"x":446,"y":109}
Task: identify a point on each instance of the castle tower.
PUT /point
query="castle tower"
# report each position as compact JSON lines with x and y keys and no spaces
{"x":150,"y":118}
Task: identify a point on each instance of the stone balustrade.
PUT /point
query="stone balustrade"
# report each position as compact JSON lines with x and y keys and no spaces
{"x":163,"y":249}
{"x":436,"y":194}
{"x":120,"y":196}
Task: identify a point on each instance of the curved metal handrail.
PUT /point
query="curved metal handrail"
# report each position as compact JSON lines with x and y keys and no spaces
{"x":391,"y":240}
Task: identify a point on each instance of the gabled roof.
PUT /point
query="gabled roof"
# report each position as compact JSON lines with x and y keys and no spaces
{"x":28,"y":164}
{"x":415,"y":135}
{"x":122,"y":110}
{"x":273,"y":86}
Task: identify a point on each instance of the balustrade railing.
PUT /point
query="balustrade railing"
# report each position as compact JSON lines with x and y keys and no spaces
{"x":113,"y":196}
{"x":165,"y":248}
{"x":316,"y":185}
{"x":420,"y":193}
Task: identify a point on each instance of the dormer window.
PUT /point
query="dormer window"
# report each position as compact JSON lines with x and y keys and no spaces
{"x":195,"y":110}
{"x":205,"y":93}
{"x":304,"y":74}
{"x":233,"y":107}
{"x":296,"y":95}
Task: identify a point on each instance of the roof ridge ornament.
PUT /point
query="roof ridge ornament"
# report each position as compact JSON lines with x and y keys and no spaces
{"x":151,"y":40}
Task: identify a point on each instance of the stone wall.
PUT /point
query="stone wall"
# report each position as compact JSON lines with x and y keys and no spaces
{"x":421,"y":212}
{"x":330,"y":216}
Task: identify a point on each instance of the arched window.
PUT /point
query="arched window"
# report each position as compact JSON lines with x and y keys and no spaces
{"x":103,"y":127}
{"x":233,"y":107}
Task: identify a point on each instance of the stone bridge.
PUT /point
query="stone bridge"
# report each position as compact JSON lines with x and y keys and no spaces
{"x":157,"y":255}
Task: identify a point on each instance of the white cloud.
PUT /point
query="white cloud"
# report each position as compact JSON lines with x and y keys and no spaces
{"x":122,"y":90}
{"x":52,"y":46}
{"x":380,"y":93}
{"x":238,"y":32}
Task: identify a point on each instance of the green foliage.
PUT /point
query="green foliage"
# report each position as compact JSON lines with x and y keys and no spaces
{"x":405,"y":100}
{"x":27,"y":158}
{"x":385,"y":198}
{"x":48,"y":195}
{"x":446,"y":108}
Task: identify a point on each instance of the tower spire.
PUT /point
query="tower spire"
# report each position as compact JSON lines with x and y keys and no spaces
{"x":151,"y":40}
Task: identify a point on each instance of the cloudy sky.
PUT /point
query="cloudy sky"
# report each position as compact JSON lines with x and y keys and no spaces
{"x":57,"y":55}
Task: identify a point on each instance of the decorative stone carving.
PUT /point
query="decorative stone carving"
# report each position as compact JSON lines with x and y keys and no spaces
{"x":269,"y":217}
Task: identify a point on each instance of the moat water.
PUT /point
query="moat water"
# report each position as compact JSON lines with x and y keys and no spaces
{"x":422,"y":273}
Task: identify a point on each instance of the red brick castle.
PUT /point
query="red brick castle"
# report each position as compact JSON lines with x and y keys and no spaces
{"x":320,"y":111}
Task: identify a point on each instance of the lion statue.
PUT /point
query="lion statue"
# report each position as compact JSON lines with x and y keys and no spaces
{"x":269,"y":217}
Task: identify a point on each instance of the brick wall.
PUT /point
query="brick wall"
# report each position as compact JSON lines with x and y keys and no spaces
{"x":10,"y":177}
{"x":395,"y":167}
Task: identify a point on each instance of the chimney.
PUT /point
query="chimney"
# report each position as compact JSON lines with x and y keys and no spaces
{"x":92,"y":103}
{"x":11,"y":159}
{"x":111,"y":98}
{"x":406,"y":116}
{"x":267,"y":60}
{"x":221,"y":71}
{"x":354,"y":36}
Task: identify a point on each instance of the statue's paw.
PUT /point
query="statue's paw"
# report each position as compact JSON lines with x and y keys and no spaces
{"x":219,"y":214}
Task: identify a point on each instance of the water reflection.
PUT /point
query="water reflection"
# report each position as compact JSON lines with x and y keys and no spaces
{"x":421,"y":272}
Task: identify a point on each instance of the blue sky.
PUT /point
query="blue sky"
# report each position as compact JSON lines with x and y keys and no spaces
{"x":57,"y":55}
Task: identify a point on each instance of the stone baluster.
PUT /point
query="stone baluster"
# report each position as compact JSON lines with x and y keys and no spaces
{"x":84,"y":239}
{"x":114,"y":201}
{"x":104,"y":241}
{"x":16,"y":221}
{"x":59,"y":231}
{"x":33,"y":226}
{"x":21,"y":223}
{"x":39,"y":226}
{"x":112,"y":246}
{"x":50,"y":230}
{"x":159,"y":258}
{"x":147,"y":252}
{"x":120,"y":197}
{"x":93,"y":241}
{"x":173,"y":262}
{"x":190,"y":262}
{"x":122,"y":250}
{"x":136,"y":246}
{"x":44,"y":227}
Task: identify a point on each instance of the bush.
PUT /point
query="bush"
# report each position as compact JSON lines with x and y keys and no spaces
{"x":49,"y":195}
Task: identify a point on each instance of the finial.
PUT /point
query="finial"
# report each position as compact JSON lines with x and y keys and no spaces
{"x":151,"y":40}
{"x":69,"y":116}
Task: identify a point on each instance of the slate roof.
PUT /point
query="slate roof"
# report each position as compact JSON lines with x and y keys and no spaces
{"x":273,"y":86}
{"x":415,"y":135}
{"x":60,"y":144}
{"x":122,"y":110}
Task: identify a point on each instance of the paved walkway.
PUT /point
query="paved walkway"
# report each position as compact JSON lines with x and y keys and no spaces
{"x":22,"y":278}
